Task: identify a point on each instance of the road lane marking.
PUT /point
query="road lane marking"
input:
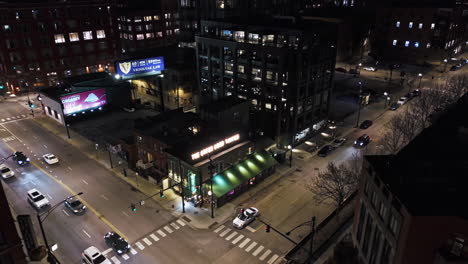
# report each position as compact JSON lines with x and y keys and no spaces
{"x":69,"y":168}
{"x":125,"y":256}
{"x":33,"y":183}
{"x":245,"y":242}
{"x":107,"y":251}
{"x":12,"y":135}
{"x":265,"y":255}
{"x":180,"y":222}
{"x":251,"y":246}
{"x":139,"y":245}
{"x":3,"y":120}
{"x":225,"y":232}
{"x":125,"y":213}
{"x":154,"y":237}
{"x":34,"y":137}
{"x":259,"y":249}
{"x":273,"y":259}
{"x":250,"y":229}
{"x":104,"y":197}
{"x":168,"y":229}
{"x":260,"y":226}
{"x":219,"y":229}
{"x":147,"y":241}
{"x":174,"y":225}
{"x":237,"y":239}
{"x":86,"y":233}
{"x":45,"y":146}
{"x":133,"y":251}
{"x":115,"y":260}
{"x":65,"y":212}
{"x":85,"y":182}
{"x":49,"y":196}
{"x":231,"y":235}
{"x":161,"y":233}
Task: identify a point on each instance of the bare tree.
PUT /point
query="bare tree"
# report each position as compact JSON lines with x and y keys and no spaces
{"x":335,"y":184}
{"x":457,"y":86}
{"x":408,"y":125}
{"x":393,"y":138}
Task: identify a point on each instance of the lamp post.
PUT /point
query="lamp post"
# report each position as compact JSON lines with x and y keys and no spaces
{"x":290,"y":156}
{"x":211,"y":193}
{"x":312,"y":234}
{"x":359,"y":104}
{"x":445,"y":64}
{"x":420,"y":79}
{"x":50,"y":257}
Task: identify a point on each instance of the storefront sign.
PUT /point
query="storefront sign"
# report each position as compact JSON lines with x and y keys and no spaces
{"x":83,"y":101}
{"x":133,"y":68}
{"x":215,"y":146}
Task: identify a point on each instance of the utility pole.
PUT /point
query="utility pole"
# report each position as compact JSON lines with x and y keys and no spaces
{"x":312,"y":234}
{"x":210,"y":169}
{"x":110,"y":156}
{"x":359,"y":105}
{"x":182,"y":187}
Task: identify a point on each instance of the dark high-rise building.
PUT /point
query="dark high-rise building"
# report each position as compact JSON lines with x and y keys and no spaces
{"x":283,"y":67}
{"x":43,"y":41}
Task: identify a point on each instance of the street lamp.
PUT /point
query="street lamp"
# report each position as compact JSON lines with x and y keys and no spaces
{"x":445,"y":64}
{"x":50,"y":257}
{"x":290,"y":156}
{"x":359,"y":104}
{"x":386,"y":99}
{"x":420,"y":79}
{"x":312,"y":233}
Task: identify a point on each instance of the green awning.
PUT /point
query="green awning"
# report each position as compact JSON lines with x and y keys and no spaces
{"x":241,"y":172}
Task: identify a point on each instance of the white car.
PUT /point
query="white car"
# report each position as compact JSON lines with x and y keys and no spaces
{"x":6,"y":172}
{"x":245,"y":217}
{"x":92,"y":255}
{"x":370,"y":68}
{"x":50,"y":158}
{"x":37,"y":199}
{"x":402,"y":100}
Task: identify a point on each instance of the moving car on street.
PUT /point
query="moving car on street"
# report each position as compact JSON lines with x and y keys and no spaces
{"x":338,"y":142}
{"x":117,"y":243}
{"x":402,"y":100}
{"x":370,"y":68}
{"x":75,"y":205}
{"x":92,"y":255}
{"x":365,"y":124}
{"x":36,"y":199}
{"x":50,"y":158}
{"x":20,"y":158}
{"x":245,"y":217}
{"x":327,"y":149}
{"x":6,"y":172}
{"x":362,"y":141}
{"x":394,"y":106}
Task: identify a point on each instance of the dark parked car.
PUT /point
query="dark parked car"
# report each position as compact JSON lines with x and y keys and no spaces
{"x":409,"y":96}
{"x":362,"y":141}
{"x":416,"y":93}
{"x":365,"y":124}
{"x":454,"y":68}
{"x":394,"y":106}
{"x":353,"y":71}
{"x":327,"y":149}
{"x":341,"y":70}
{"x":75,"y":205}
{"x":117,"y":243}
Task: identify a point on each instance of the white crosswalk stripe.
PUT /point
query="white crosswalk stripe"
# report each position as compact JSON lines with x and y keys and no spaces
{"x":125,"y":256}
{"x":273,"y":259}
{"x":147,"y":241}
{"x":168,"y":229}
{"x":231,"y":235}
{"x":115,"y":260}
{"x":133,"y":251}
{"x":259,"y":249}
{"x":180,"y":222}
{"x":265,"y":255}
{"x":237,"y":239}
{"x":3,"y":119}
{"x":23,"y":115}
{"x":154,"y":237}
{"x":8,"y":119}
{"x":245,"y":242}
{"x":161,"y":233}
{"x":225,"y":232}
{"x":219,"y":229}
{"x":250,"y":229}
{"x":140,"y":245}
{"x":174,"y":225}
{"x":251,"y":246}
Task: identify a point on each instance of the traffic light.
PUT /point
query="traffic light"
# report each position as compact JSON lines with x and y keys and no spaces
{"x":161,"y":194}
{"x":31,"y":104}
{"x":267,"y":228}
{"x":133,"y":207}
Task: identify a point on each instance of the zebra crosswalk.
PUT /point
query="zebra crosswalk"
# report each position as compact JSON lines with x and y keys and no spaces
{"x":12,"y":118}
{"x":247,"y":244}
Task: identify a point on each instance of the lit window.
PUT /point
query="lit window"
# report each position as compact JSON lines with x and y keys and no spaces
{"x":149,"y":27}
{"x":74,"y":36}
{"x":137,"y":19}
{"x":7,"y":28}
{"x":420,"y":25}
{"x":410,"y":25}
{"x":100,"y":34}
{"x":87,"y":35}
{"x":432,"y":26}
{"x":148,"y":18}
{"x":406,"y":43}
{"x":167,"y":15}
{"x":394,"y":42}
{"x":398,"y":24}
{"x":156,"y":17}
{"x":416,"y":44}
{"x":140,"y":36}
{"x":159,"y":34}
{"x":428,"y":45}
{"x":59,"y":38}
{"x":149,"y":35}
{"x":176,"y":31}
{"x":125,"y":35}
{"x":130,"y":36}
{"x":138,"y":28}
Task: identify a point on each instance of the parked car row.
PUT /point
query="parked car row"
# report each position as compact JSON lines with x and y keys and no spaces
{"x":404,"y":99}
{"x":327,"y":149}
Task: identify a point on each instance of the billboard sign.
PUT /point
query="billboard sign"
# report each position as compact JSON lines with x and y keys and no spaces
{"x":133,"y":68}
{"x":83,"y":101}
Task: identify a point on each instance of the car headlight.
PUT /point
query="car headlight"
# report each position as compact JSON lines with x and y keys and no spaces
{"x":84,"y":207}
{"x":355,"y":142}
{"x":75,"y":211}
{"x":128,"y":246}
{"x":119,"y":251}
{"x":361,"y":143}
{"x":20,"y":162}
{"x":27,"y":159}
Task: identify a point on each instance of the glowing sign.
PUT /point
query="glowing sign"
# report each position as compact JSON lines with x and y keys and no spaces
{"x":215,"y":146}
{"x":83,"y":101}
{"x":132,"y":68}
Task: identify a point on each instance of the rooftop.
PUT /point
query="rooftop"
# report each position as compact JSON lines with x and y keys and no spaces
{"x":221,"y":104}
{"x":428,"y":176}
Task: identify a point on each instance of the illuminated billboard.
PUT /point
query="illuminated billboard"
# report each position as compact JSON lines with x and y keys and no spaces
{"x":141,"y":67}
{"x":82,"y":101}
{"x":215,"y":146}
